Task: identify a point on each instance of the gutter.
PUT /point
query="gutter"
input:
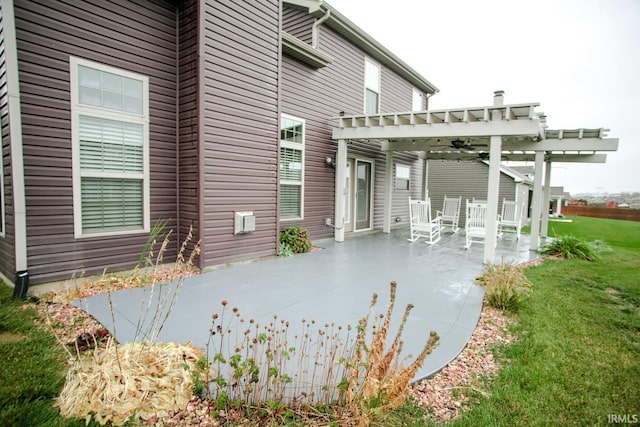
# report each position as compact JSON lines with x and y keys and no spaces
{"x":335,"y":20}
{"x":367,"y":43}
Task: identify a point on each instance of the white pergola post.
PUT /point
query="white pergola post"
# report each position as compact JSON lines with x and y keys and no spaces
{"x":495,"y":151}
{"x":559,"y":207}
{"x":388,"y":191}
{"x":546,"y":195}
{"x":341,"y":190}
{"x":425,"y":180}
{"x":537,"y":200}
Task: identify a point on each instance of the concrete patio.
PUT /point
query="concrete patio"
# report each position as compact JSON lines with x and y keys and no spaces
{"x":334,"y":284}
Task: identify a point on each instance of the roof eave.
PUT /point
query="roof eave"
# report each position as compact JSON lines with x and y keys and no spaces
{"x":364,"y":41}
{"x":303,"y":52}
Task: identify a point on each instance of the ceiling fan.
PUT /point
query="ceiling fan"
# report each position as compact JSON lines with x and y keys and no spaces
{"x":459,"y":144}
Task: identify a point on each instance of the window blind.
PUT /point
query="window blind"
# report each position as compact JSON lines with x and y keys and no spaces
{"x":290,"y":197}
{"x":111,"y":203}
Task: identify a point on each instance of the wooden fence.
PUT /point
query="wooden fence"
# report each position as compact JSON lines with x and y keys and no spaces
{"x":601,"y":212}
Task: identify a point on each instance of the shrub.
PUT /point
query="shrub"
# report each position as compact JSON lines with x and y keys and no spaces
{"x":296,"y":238}
{"x":505,"y":285}
{"x":285,"y":250}
{"x":571,"y":247}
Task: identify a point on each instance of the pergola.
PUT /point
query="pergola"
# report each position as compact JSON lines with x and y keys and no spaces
{"x":498,"y":132}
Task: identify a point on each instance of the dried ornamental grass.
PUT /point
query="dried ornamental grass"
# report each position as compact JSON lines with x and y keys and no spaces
{"x":505,"y":285}
{"x":135,"y":379}
{"x":377,"y":380}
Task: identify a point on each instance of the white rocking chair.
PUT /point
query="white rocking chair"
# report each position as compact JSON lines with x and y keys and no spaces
{"x":450,"y":214}
{"x":476,"y":223}
{"x":510,"y":220}
{"x":422,"y":225}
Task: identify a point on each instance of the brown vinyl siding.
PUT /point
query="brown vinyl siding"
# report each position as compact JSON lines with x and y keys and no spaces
{"x":466,"y":179}
{"x":239,"y":82}
{"x":137,"y":36}
{"x":317,"y":95}
{"x":395,"y":92}
{"x":400,"y":198}
{"x":298,"y":23}
{"x":7,"y":250}
{"x":188,"y":139}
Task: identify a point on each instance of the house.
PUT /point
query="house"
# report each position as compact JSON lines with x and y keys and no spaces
{"x":468,"y":179}
{"x":207,"y":114}
{"x":557,"y":199}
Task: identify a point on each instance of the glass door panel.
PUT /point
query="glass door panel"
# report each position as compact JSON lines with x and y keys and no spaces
{"x":363,"y":194}
{"x":348,"y":224}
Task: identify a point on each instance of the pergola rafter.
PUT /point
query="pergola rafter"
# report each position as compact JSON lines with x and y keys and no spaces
{"x":491,"y":133}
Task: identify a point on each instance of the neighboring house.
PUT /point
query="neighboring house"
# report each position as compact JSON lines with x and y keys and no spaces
{"x":469,"y":179}
{"x":557,"y":199}
{"x":118,"y":114}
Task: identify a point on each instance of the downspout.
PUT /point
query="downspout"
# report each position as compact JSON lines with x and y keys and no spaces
{"x":428,"y":96}
{"x":314,"y":29}
{"x":15,"y":135}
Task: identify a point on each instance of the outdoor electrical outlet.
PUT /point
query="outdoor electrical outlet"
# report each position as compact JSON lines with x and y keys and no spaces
{"x":327,"y":221}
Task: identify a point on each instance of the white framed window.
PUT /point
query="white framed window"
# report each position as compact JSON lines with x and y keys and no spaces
{"x":292,"y":136}
{"x":110,"y":145}
{"x":371,"y":87}
{"x":403,"y":174}
{"x":417,"y":102}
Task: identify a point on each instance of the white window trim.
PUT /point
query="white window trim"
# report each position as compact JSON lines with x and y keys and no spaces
{"x":300,"y":147}
{"x":365,"y":87}
{"x":76,"y":111}
{"x":406,"y":179}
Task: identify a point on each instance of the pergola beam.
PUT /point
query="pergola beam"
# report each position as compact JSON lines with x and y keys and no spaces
{"x":400,"y":130}
{"x":573,"y":144}
{"x":508,"y":145}
{"x":520,"y":157}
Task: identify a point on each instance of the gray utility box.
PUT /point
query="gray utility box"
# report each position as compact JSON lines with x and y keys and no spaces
{"x":245,"y":222}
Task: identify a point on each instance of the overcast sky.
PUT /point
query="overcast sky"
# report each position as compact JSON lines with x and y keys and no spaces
{"x":580,"y":59}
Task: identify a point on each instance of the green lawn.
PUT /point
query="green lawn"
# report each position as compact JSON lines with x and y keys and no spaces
{"x":32,"y":368}
{"x":617,"y":233}
{"x":577,"y":358}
